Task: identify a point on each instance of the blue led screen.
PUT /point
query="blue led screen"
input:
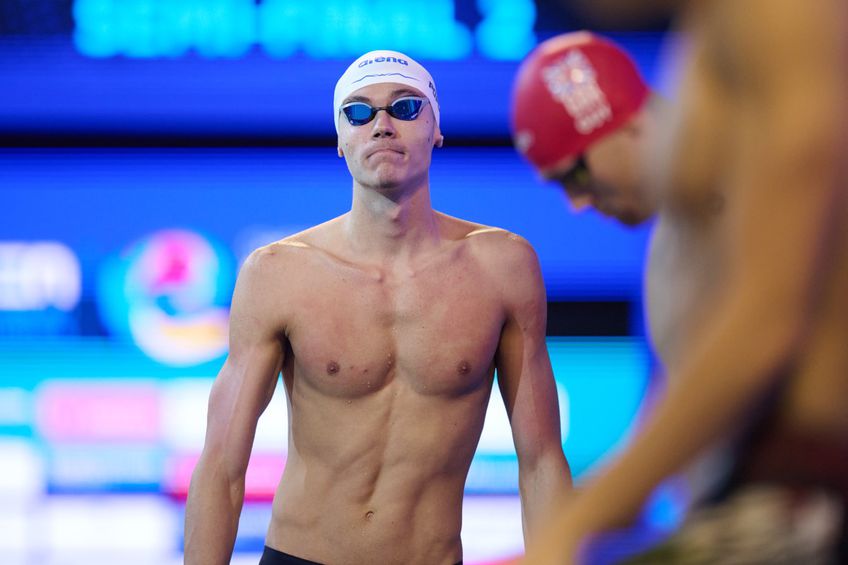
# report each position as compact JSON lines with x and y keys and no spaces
{"x":260,"y":69}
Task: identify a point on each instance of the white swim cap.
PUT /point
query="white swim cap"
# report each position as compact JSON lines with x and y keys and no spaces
{"x":377,"y":67}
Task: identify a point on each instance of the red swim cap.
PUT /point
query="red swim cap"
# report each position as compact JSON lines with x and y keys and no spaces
{"x":570,"y":91}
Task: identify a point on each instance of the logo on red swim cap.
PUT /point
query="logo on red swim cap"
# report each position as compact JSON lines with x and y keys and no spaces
{"x":573,"y":82}
{"x":569,"y":92}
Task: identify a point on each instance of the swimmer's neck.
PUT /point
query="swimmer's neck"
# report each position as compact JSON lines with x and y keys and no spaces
{"x":391,"y":223}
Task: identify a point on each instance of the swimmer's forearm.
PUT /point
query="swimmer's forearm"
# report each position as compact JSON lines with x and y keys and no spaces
{"x":543,"y":485}
{"x":212,"y":514}
{"x":709,"y":397}
{"x":216,"y":494}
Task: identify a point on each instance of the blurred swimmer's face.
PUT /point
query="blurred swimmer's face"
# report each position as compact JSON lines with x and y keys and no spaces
{"x":608,"y":178}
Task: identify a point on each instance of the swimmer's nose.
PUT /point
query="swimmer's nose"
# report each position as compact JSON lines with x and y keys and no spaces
{"x":382,"y":126}
{"x":579,"y":202}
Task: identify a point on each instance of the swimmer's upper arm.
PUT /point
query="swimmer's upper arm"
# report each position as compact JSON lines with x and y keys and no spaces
{"x":788,"y":111}
{"x":527,"y":384}
{"x":525,"y":376}
{"x":246,"y":382}
{"x":239,"y":394}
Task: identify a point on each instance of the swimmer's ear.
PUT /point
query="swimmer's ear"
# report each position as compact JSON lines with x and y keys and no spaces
{"x":438,"y":138}
{"x":637,"y":125}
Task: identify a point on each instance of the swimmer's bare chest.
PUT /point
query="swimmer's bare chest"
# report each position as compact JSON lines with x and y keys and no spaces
{"x":686,"y":253}
{"x":356,"y":328}
{"x":684,"y":270}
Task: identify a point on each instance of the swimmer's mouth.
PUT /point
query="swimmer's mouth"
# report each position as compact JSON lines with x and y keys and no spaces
{"x":378,"y":150}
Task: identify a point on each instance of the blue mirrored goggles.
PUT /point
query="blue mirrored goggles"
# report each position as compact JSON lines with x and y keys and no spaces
{"x":407,"y":108}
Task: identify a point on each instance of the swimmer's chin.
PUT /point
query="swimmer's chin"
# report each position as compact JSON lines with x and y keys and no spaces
{"x":631,"y":219}
{"x":628,"y":218}
{"x":384,"y":184}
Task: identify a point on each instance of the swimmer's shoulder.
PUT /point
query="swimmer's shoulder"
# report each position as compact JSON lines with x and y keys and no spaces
{"x":293,"y":250}
{"x":497,"y":247}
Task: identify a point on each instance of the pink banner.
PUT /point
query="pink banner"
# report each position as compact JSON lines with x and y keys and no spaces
{"x":84,"y":411}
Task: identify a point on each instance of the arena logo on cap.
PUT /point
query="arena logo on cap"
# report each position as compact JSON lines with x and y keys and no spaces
{"x":384,"y":60}
{"x":433,"y":90}
{"x":572,"y":81}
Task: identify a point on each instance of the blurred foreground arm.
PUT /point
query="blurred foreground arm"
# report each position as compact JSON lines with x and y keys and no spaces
{"x":784,"y":93}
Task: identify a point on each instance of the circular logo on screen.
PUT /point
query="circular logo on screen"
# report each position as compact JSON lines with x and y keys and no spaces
{"x":169,"y":292}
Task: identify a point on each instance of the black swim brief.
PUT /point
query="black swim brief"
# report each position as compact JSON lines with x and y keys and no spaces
{"x":273,"y":557}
